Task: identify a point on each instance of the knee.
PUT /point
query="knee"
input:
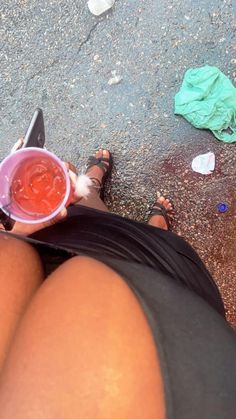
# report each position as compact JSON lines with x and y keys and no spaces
{"x":19,"y":259}
{"x":11,"y":245}
{"x":83,"y":280}
{"x":84,"y":272}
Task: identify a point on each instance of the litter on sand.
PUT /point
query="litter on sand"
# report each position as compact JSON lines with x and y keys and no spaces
{"x":204,"y":163}
{"x":207,"y":99}
{"x":98,"y":7}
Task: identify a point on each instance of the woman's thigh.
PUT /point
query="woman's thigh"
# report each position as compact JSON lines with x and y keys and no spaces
{"x":83,"y":349}
{"x":21,"y":274}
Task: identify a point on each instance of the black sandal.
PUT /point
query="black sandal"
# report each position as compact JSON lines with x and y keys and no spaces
{"x":159,"y":209}
{"x":106,"y":168}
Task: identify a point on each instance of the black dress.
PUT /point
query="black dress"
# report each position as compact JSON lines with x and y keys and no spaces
{"x":195,"y":345}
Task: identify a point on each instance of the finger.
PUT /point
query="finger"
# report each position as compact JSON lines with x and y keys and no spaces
{"x":73,"y":178}
{"x":2,"y":227}
{"x":27,"y":229}
{"x":17,"y":145}
{"x":71,"y":167}
{"x":59,"y":217}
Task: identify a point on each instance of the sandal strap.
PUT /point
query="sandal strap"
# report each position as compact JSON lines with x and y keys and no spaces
{"x":159,"y":209}
{"x":105,"y":164}
{"x":97,"y":181}
{"x":99,"y":162}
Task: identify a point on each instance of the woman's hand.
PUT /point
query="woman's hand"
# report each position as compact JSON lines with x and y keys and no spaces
{"x":27,"y":229}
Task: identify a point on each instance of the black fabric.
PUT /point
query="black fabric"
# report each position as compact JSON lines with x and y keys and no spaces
{"x":99,"y":234}
{"x":196,"y":346}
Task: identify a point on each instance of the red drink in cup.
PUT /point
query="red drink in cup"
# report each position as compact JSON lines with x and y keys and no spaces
{"x":35,"y":185}
{"x":38,"y":186}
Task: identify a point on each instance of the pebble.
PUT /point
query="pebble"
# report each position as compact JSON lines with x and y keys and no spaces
{"x":116,"y":79}
{"x":96,"y":57}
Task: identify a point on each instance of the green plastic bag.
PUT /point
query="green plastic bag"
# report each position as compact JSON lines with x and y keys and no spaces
{"x":207,"y":99}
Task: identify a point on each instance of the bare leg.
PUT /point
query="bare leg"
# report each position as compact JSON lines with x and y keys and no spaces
{"x":83,"y":350}
{"x":20,"y":275}
{"x":21,"y":271}
{"x":94,"y":200}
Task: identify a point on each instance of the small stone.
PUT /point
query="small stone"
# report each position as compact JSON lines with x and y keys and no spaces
{"x":103,"y":125}
{"x":115,"y":80}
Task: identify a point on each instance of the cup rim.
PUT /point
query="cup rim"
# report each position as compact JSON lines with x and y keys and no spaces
{"x":67,"y":178}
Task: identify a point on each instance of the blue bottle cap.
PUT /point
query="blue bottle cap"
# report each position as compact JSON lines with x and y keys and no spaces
{"x":222,"y":207}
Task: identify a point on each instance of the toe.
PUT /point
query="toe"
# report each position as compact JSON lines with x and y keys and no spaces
{"x":99,"y":153}
{"x":106,"y":153}
{"x":165,"y":202}
{"x":161,"y":200}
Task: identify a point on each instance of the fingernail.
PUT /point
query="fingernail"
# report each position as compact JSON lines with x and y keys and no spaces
{"x":63,"y":213}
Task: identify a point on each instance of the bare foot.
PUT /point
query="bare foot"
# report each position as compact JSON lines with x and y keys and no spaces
{"x":158,"y":220}
{"x":95,"y":172}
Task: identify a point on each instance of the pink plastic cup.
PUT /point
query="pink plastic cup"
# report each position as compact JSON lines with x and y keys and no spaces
{"x":8,"y":168}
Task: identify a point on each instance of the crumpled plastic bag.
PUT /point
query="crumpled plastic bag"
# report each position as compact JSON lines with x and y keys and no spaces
{"x":207,"y":99}
{"x":204,"y":163}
